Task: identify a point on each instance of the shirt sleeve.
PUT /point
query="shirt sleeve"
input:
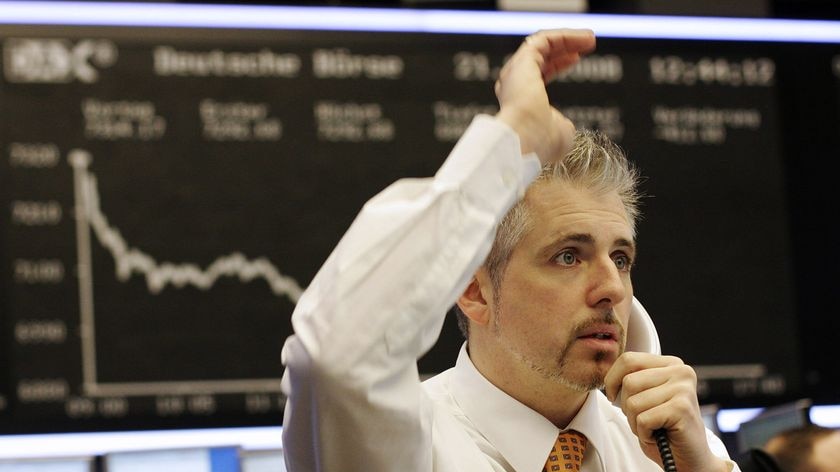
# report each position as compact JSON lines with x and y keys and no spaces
{"x":355,"y":400}
{"x":719,"y":449}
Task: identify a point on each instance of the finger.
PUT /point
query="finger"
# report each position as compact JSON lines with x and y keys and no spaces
{"x":671,"y":416}
{"x":579,"y":40}
{"x":523,"y":62}
{"x":646,"y":379}
{"x":638,"y":403}
{"x":556,"y":66}
{"x":562,"y":41}
{"x":555,"y":50}
{"x":630,"y":362}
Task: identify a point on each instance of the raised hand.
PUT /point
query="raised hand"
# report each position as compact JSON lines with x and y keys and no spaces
{"x":523,"y":100}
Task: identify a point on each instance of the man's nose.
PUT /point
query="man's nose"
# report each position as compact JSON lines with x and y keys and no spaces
{"x":607,"y":287}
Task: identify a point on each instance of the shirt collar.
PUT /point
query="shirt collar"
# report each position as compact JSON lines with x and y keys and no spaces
{"x":590,"y":422}
{"x":521,"y":435}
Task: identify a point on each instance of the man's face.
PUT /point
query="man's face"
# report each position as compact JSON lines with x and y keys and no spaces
{"x":566,"y":294}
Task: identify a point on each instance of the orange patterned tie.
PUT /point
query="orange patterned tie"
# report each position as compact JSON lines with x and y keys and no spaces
{"x":567,"y":453}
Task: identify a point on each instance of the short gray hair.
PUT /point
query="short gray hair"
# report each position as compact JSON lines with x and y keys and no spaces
{"x":594,"y":163}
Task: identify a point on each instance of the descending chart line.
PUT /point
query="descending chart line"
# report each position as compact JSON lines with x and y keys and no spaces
{"x":158,"y":275}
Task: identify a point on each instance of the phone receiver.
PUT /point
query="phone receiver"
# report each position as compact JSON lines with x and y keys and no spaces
{"x":641,"y":333}
{"x":642,"y":337}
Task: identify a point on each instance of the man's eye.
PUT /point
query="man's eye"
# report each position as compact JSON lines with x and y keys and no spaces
{"x":623,"y":262}
{"x":566,"y":258}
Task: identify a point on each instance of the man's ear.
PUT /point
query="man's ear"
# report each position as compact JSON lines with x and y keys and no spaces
{"x":474,"y":301}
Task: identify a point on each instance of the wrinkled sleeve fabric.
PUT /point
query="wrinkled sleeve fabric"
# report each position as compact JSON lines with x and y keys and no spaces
{"x":719,"y":449}
{"x":355,"y":401}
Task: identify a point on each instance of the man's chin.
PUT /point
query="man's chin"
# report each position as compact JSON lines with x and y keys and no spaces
{"x":588,"y":377}
{"x":596,"y":374}
{"x":584,"y":384}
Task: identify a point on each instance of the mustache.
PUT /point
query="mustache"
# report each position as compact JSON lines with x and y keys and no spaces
{"x":607,"y":317}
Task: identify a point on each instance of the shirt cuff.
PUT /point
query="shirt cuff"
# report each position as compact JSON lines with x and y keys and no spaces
{"x":487,"y":165}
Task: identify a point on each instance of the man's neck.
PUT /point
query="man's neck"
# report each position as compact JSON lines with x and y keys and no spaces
{"x":555,"y":401}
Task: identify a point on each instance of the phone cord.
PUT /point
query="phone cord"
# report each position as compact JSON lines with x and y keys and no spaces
{"x":665,"y":450}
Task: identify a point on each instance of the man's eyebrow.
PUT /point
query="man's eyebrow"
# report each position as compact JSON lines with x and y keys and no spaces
{"x":577,"y":238}
{"x":587,"y":238}
{"x":581,"y":238}
{"x":628,"y":243}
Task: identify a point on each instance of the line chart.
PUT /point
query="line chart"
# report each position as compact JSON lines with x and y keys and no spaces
{"x":158,"y":275}
{"x":131,"y":261}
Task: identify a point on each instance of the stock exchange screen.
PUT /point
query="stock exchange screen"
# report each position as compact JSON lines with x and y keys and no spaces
{"x":169,"y":193}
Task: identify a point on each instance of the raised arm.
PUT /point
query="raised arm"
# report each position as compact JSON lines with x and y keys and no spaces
{"x":522,"y":96}
{"x":378,"y":303}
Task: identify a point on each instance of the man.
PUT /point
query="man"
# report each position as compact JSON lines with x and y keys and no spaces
{"x":806,"y":449}
{"x":546,"y":314}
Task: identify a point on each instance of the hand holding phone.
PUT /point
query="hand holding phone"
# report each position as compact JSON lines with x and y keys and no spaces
{"x":658,"y":395}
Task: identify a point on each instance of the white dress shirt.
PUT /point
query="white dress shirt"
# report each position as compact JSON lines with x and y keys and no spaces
{"x":355,"y":400}
{"x":513,"y":437}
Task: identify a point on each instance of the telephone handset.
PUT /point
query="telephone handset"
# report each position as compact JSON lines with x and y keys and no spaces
{"x":641,"y":333}
{"x":642,"y":337}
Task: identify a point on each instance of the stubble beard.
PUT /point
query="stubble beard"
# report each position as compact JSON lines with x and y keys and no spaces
{"x":560,"y":372}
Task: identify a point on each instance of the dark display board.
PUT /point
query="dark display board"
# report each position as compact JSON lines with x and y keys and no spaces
{"x":170,"y":192}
